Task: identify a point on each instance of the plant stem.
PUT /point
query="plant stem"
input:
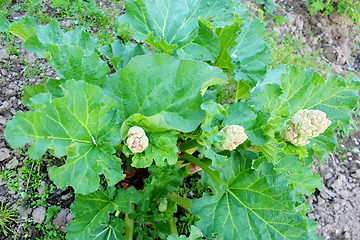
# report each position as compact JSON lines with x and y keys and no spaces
{"x":117,"y":213}
{"x":181,"y":201}
{"x":171,"y":225}
{"x":203,"y":166}
{"x":130,"y":169}
{"x":237,"y":90}
{"x":189,"y":145}
{"x":129,"y":225}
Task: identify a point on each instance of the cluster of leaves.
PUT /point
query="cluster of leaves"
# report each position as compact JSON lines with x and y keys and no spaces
{"x":349,"y":7}
{"x":85,"y":115}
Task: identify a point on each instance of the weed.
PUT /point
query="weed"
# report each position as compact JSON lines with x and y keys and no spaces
{"x":32,"y":6}
{"x":7,"y":215}
{"x":185,"y":221}
{"x":12,"y":46}
{"x":32,"y":69}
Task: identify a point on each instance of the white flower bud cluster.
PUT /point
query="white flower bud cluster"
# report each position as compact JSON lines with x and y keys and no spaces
{"x":234,"y":136}
{"x":137,"y":140}
{"x":306,"y":124}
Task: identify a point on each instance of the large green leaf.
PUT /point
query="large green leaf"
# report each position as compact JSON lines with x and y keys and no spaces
{"x":173,"y":20}
{"x":113,"y":230}
{"x":120,"y":54}
{"x":90,"y":211}
{"x":38,"y":37}
{"x":217,"y":13}
{"x":163,"y":180}
{"x":51,"y":33}
{"x":4,"y":23}
{"x":77,"y":125}
{"x":266,"y":93}
{"x":251,"y":54}
{"x":306,"y":89}
{"x":227,"y":37}
{"x":297,"y":173}
{"x":174,"y":25}
{"x":163,"y":85}
{"x":204,"y":47}
{"x":80,"y":38}
{"x":19,"y":30}
{"x":281,"y":94}
{"x":73,"y":63}
{"x":253,"y":205}
{"x":324,"y":143}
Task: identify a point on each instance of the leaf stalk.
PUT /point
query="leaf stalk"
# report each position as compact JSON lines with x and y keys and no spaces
{"x":203,"y":166}
{"x":171,"y":225}
{"x":129,"y":225}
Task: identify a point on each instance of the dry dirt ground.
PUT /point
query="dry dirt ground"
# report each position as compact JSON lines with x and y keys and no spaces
{"x":336,"y":208}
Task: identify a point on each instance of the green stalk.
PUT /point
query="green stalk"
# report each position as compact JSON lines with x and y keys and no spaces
{"x":171,"y":225}
{"x":129,"y":226}
{"x":189,"y":145}
{"x":185,"y":203}
{"x":237,"y":90}
{"x":191,"y":158}
{"x":128,"y":167}
{"x":117,"y":213}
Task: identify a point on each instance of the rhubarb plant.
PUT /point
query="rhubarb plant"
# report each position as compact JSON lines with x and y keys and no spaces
{"x":132,"y":135}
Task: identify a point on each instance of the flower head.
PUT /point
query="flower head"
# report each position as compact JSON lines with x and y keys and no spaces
{"x":306,"y":124}
{"x":234,"y":136}
{"x":137,"y":140}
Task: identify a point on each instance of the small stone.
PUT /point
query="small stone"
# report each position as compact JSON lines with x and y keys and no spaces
{"x":2,"y":120}
{"x":347,"y":235}
{"x":337,"y":184}
{"x":30,"y":57}
{"x":328,"y":175}
{"x":12,"y":164}
{"x":4,"y":154}
{"x":2,"y":183}
{"x":345,"y":194}
{"x":41,"y":190}
{"x":60,"y":219}
{"x":39,"y":214}
{"x":3,"y":53}
{"x":13,"y":57}
{"x":336,"y":206}
{"x":65,"y":197}
{"x":10,"y":93}
{"x":25,"y":212}
{"x":324,"y":195}
{"x":331,"y":193}
{"x":321,"y":202}
{"x":5,"y":107}
{"x":70,"y":217}
{"x":357,"y":174}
